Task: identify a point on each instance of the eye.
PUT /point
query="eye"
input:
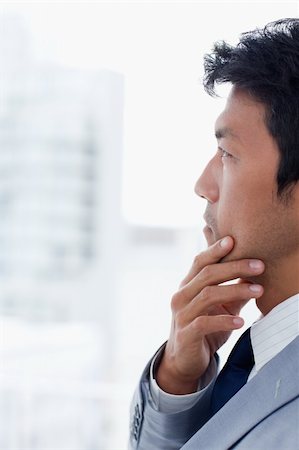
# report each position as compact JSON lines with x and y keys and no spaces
{"x":224,"y":153}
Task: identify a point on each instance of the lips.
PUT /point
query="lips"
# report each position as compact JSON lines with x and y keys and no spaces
{"x":208,"y":217}
{"x":207,"y":231}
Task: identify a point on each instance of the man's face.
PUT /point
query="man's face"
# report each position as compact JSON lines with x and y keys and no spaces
{"x":240,"y":186}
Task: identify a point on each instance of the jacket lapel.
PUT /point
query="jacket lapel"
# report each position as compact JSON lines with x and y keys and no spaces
{"x":274,"y":385}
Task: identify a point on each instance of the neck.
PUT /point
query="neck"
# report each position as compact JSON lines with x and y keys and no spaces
{"x":280,"y":281}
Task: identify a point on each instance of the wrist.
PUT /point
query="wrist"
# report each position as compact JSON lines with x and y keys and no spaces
{"x":172,"y":382}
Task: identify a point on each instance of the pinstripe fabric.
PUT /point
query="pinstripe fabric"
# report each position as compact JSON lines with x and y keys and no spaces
{"x":273,"y":332}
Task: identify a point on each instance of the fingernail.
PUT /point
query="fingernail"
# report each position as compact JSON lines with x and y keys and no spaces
{"x":238,"y":321}
{"x":225,"y":242}
{"x":255,"y":264}
{"x":255,"y":288}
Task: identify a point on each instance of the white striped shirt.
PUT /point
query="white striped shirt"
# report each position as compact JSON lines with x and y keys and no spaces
{"x":273,"y":332}
{"x":269,"y":336}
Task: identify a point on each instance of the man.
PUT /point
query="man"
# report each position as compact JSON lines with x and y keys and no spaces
{"x":252,"y":192}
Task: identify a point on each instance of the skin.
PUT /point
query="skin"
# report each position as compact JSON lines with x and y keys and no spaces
{"x":239,"y":184}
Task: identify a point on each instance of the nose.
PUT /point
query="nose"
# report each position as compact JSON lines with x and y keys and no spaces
{"x":206,"y":185}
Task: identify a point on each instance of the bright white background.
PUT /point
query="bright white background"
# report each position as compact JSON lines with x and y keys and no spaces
{"x":167,"y":139}
{"x":158,"y":46}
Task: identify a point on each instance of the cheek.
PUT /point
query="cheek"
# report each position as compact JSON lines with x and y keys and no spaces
{"x":243,"y":201}
{"x":245,"y":189}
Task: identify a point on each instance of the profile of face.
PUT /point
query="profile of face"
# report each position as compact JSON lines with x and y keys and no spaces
{"x":239,"y":184}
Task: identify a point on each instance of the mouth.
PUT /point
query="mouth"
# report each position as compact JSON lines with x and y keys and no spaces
{"x":207,"y":231}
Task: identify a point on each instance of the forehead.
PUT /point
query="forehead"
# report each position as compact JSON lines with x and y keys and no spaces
{"x":241,"y":118}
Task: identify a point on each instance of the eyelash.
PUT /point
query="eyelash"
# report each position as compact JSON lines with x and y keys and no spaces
{"x":225,"y":154}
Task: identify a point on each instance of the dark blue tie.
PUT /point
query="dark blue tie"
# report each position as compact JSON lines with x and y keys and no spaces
{"x":235,"y":372}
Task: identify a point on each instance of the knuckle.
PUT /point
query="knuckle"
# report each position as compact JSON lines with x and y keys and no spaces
{"x":180,"y":337}
{"x":238,"y":267}
{"x":179,"y":320}
{"x":183,"y":282}
{"x":206,"y":273}
{"x":239,"y":291}
{"x":197,"y":260}
{"x":200,"y":324}
{"x":177,"y":300}
{"x":206,"y":294}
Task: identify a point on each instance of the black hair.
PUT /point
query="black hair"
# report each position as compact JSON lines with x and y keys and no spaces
{"x":265,"y":63}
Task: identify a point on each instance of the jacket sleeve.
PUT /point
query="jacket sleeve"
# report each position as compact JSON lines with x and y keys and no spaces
{"x":153,"y":430}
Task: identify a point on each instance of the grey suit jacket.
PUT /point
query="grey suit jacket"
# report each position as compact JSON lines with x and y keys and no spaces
{"x":264,"y":414}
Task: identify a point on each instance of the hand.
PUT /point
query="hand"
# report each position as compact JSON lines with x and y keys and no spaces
{"x":204,"y":313}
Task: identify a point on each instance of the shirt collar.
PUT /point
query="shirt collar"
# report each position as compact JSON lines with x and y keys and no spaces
{"x":273,"y":332}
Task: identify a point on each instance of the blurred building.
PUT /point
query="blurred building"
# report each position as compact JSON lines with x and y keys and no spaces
{"x":60,"y":231}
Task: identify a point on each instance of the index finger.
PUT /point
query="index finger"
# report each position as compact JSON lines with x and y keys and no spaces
{"x":211,"y":255}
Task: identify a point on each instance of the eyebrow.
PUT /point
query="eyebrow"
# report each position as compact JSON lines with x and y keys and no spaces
{"x":225,"y":132}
